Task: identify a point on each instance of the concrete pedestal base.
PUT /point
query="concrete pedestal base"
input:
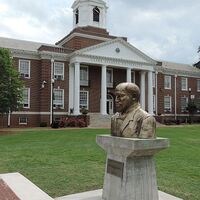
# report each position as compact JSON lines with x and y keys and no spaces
{"x":130,"y":170}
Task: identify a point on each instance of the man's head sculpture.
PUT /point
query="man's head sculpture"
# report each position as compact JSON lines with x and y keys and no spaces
{"x":126,"y":95}
{"x":131,"y":120}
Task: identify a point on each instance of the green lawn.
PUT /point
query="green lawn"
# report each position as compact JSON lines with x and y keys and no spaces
{"x":67,"y":161}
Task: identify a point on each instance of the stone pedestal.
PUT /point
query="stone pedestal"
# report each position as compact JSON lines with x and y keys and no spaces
{"x":130,"y":169}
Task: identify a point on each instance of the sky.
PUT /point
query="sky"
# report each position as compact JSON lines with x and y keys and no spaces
{"x":163,"y":29}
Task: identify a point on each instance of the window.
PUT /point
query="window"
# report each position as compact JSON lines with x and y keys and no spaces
{"x":84,"y":99}
{"x":184,"y":84}
{"x":84,"y":75}
{"x":23,"y":120}
{"x":109,"y":78}
{"x":132,"y":77}
{"x":24,"y":68}
{"x":26,"y":97}
{"x":198,"y":85}
{"x":77,"y":16}
{"x":167,"y":83}
{"x":184,"y":103}
{"x":154,"y":79}
{"x":154,"y":103}
{"x":58,"y":101}
{"x":59,"y":71}
{"x":96,"y":13}
{"x":167,"y":103}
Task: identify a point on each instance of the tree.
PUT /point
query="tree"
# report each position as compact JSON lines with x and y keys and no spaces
{"x":10,"y":84}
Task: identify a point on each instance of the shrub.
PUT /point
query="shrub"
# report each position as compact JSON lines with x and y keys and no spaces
{"x":43,"y":124}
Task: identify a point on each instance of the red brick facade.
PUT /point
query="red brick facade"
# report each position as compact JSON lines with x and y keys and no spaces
{"x":40,"y":70}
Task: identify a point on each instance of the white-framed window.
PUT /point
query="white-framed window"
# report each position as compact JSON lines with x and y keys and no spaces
{"x":109,"y":77}
{"x":24,"y":68}
{"x":132,"y":76}
{"x":198,"y":85}
{"x":167,"y":103}
{"x":184,"y":104}
{"x":23,"y":120}
{"x":84,"y":96}
{"x":58,"y":70}
{"x":26,"y":97}
{"x":84,"y":75}
{"x":154,"y":103}
{"x":167,"y":82}
{"x":58,"y":98}
{"x":154,"y":79}
{"x":184,"y":83}
{"x":96,"y":14}
{"x":76,"y":16}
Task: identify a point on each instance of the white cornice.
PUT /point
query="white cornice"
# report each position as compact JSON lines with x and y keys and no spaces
{"x":58,"y":56}
{"x":84,"y":36}
{"x":115,"y":62}
{"x":173,"y":72}
{"x":25,"y":54}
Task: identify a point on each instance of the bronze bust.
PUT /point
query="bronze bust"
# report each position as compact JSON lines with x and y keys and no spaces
{"x":131,"y":121}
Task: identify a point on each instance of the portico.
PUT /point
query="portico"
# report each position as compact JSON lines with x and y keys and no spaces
{"x":120,"y":55}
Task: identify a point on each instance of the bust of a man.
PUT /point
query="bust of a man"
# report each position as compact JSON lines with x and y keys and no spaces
{"x":131,"y":121}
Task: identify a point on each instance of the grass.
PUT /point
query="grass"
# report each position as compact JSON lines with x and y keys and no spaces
{"x":67,"y":161}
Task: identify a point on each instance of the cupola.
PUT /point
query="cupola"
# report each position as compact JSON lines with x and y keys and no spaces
{"x":89,"y":13}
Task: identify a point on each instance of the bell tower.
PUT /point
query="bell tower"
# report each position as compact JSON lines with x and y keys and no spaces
{"x":89,"y":13}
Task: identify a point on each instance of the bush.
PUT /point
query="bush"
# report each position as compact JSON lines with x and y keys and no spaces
{"x":43,"y":124}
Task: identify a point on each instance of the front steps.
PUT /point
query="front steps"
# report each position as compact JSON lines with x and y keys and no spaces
{"x":99,"y":121}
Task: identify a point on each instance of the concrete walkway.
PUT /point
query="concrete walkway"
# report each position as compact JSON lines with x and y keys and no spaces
{"x":96,"y":195}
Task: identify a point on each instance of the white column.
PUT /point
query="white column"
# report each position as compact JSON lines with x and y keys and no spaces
{"x":8,"y":119}
{"x":52,"y":81}
{"x":142,"y":89}
{"x":77,"y":89}
{"x":175,"y":93}
{"x":150,"y":93}
{"x":128,"y":75}
{"x":71,"y":87}
{"x":156,"y":86}
{"x":103,"y":91}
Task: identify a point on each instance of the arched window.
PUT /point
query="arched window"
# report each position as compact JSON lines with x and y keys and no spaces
{"x":77,"y":16}
{"x":96,"y":14}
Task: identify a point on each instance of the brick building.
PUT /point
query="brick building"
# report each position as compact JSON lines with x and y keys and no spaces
{"x":83,"y":68}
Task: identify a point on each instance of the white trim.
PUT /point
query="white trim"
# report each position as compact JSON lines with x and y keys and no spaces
{"x":168,"y":78}
{"x":109,"y":84}
{"x":87,"y":92}
{"x":84,"y":82}
{"x":37,"y":113}
{"x":29,"y":68}
{"x":63,"y":97}
{"x":24,"y":123}
{"x":184,"y":89}
{"x":198,"y":85}
{"x":170,"y":103}
{"x":28,"y":107}
{"x":132,"y":76}
{"x":56,"y":76}
{"x":108,"y":61}
{"x":154,"y":79}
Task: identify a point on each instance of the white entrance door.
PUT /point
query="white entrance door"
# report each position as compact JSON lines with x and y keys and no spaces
{"x":110,"y":104}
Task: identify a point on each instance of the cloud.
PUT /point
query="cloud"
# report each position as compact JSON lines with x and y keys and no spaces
{"x":166,"y":30}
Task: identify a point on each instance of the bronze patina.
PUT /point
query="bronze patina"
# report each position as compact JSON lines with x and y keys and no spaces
{"x":131,"y":121}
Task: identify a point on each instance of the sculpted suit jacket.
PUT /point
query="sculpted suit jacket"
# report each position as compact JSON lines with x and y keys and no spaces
{"x":135,"y":123}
